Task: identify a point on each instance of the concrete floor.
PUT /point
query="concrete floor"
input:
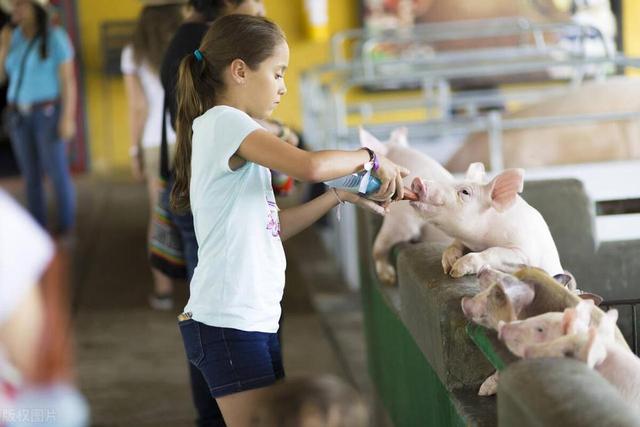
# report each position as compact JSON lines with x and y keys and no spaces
{"x":130,"y":360}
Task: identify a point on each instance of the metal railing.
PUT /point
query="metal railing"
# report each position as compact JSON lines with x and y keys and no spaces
{"x":634,"y":304}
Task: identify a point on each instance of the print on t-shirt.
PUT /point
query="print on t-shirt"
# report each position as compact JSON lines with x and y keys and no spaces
{"x":273,"y":222}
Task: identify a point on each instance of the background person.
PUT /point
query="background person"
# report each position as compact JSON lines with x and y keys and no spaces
{"x":38,"y":59}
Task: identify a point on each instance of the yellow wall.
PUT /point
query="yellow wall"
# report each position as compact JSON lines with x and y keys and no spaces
{"x":106,"y":107}
{"x":630,"y":30}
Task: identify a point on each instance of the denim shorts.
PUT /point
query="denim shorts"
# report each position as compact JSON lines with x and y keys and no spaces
{"x":232,"y":360}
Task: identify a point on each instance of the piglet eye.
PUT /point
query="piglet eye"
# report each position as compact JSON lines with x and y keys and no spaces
{"x":465,"y":193}
{"x":568,"y":353}
{"x":539,"y":329}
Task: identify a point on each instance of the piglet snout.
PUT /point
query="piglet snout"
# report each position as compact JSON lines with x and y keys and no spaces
{"x":419,"y":188}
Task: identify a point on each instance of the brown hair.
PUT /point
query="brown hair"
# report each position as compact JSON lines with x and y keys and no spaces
{"x":249,"y":38}
{"x":154,"y":31}
{"x":212,"y":9}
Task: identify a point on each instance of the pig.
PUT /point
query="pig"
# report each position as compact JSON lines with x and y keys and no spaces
{"x":402,"y":223}
{"x":490,"y":223}
{"x":505,"y":298}
{"x":546,"y":327}
{"x":599,"y":349}
{"x":566,"y":144}
{"x":527,"y":293}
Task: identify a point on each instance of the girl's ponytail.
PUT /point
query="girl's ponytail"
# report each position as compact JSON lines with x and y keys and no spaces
{"x":195,"y":96}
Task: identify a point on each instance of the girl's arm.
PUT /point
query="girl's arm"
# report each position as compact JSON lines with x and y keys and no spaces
{"x":138,"y":111}
{"x":67,"y":124}
{"x":265,"y":149}
{"x":296,"y":219}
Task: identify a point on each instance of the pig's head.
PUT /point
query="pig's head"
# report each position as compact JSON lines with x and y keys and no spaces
{"x":461,"y":208}
{"x":398,"y":138}
{"x":519,"y":334}
{"x":587,"y":347}
{"x":503,"y":297}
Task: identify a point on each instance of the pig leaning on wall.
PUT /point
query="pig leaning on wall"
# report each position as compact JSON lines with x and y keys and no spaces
{"x":563,"y":144}
{"x":491,"y":224}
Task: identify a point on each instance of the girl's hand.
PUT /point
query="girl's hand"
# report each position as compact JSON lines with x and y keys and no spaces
{"x":391,"y":176}
{"x":375,"y":207}
{"x":67,"y":128}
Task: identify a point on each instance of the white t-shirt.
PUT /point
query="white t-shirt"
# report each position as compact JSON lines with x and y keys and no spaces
{"x":25,"y":252}
{"x":239,"y":280}
{"x":154,"y":93}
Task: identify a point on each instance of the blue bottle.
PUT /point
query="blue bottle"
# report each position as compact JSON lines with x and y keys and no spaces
{"x":352,"y":183}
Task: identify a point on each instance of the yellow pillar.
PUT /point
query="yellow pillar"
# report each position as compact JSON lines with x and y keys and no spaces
{"x":631,"y":30}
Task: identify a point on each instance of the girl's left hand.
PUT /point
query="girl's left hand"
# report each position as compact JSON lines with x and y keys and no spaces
{"x":67,"y":128}
{"x":375,"y":207}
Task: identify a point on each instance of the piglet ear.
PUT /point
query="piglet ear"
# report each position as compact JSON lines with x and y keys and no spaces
{"x":505,"y":187}
{"x":594,"y":351}
{"x":567,"y":280}
{"x":502,"y":303}
{"x":607,"y":327}
{"x":369,"y":141}
{"x":569,"y":321}
{"x":520,"y":295}
{"x":399,"y":136}
{"x":583,"y":314}
{"x":475,"y":172}
{"x":487,"y":276}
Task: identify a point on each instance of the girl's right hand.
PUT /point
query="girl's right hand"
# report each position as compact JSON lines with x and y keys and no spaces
{"x":391,"y":176}
{"x":378,"y":208}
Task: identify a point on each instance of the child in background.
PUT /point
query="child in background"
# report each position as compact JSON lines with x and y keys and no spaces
{"x":309,"y":402}
{"x":222,"y":174}
{"x":140,"y":65}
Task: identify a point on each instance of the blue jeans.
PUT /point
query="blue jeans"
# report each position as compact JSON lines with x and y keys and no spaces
{"x":39,"y":151}
{"x":231,"y":360}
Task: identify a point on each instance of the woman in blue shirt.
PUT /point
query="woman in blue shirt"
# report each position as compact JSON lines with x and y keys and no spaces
{"x":38,"y":60}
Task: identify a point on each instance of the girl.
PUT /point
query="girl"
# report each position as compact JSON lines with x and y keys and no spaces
{"x":140,"y":65}
{"x":42,"y":99}
{"x":222,"y":173}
